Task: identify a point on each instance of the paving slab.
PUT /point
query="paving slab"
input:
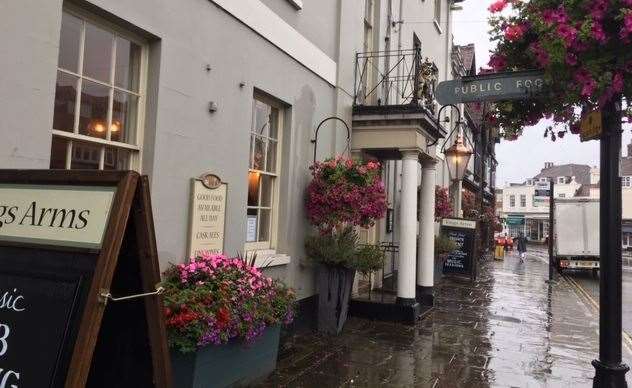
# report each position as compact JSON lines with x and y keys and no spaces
{"x":510,"y":328}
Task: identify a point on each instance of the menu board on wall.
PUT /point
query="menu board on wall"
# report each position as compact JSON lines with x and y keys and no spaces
{"x":207,"y":215}
{"x":462,"y":260}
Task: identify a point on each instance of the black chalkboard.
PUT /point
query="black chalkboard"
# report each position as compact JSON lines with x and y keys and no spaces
{"x":462,"y":260}
{"x":35,"y":311}
{"x":57,"y":328}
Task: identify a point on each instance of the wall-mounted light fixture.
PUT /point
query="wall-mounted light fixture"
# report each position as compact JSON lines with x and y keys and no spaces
{"x":212,"y":107}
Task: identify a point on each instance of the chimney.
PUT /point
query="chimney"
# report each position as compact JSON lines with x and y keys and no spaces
{"x":550,"y":164}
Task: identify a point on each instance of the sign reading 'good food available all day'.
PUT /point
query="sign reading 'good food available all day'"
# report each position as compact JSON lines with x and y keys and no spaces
{"x":59,"y":215}
{"x":208,"y":213}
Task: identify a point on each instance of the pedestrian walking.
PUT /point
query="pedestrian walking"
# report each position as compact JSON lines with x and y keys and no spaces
{"x":522,"y":246}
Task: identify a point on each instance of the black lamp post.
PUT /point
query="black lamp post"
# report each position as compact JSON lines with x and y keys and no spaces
{"x":609,"y":370}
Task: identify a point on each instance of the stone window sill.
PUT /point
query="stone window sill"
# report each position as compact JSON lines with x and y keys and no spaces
{"x":270,"y":258}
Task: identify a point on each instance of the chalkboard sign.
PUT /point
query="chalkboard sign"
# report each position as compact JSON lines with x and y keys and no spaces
{"x":68,"y":241}
{"x":463,"y":233}
{"x":35,"y":313}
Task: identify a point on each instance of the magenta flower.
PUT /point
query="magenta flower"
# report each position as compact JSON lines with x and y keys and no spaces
{"x":498,"y":6}
{"x":515,"y":32}
{"x":497,"y":62}
{"x":627,"y":25}
{"x":571,"y":59}
{"x":598,"y":33}
{"x":567,"y":33}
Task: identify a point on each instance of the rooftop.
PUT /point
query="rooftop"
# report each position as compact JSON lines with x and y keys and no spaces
{"x":581,"y":172}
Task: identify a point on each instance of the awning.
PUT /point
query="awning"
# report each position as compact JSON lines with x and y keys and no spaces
{"x":515,"y":220}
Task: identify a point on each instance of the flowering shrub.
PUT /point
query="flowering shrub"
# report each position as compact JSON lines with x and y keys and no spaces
{"x":469,"y":205}
{"x":214,"y":299}
{"x":584,"y":48}
{"x":443,"y":206}
{"x":345,"y":191}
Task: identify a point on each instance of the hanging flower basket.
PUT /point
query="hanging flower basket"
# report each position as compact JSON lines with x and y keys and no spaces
{"x":343,"y":193}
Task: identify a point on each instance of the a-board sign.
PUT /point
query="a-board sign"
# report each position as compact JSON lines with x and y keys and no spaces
{"x":69,"y":241}
{"x":207,"y":215}
{"x":462,"y":260}
{"x":491,"y":87}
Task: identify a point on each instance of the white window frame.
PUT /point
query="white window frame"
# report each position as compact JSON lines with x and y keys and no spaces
{"x":626,"y":181}
{"x":437,"y":14}
{"x":561,"y":180}
{"x":512,"y":200}
{"x":265,"y":249}
{"x":523,"y":200}
{"x":136,"y":150}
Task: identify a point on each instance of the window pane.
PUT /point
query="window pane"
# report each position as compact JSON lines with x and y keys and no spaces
{"x":261,"y":119}
{"x":69,"y":42}
{"x":116,"y":159}
{"x":259,"y":154}
{"x":267,"y":183}
{"x":253,"y":188}
{"x":264,"y":225}
{"x":250,"y":152}
{"x":124,"y":116}
{"x":97,"y":57}
{"x":58,"y":152}
{"x":271,"y":159}
{"x":85,"y":156}
{"x":273,"y":123}
{"x":65,"y":99}
{"x":127,"y":71}
{"x":94,"y":108}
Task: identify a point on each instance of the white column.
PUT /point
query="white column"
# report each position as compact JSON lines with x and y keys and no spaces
{"x":408,"y":230}
{"x":425,"y":259}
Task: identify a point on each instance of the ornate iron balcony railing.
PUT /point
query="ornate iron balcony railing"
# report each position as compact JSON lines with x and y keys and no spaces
{"x":395,"y":78}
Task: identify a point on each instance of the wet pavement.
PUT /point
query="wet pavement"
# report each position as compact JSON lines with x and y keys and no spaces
{"x":508,"y":329}
{"x":588,"y":284}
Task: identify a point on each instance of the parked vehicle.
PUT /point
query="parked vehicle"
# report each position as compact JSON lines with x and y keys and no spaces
{"x":576,"y":234}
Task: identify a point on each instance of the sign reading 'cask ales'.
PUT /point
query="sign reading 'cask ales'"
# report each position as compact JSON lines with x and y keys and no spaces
{"x":67,"y":241}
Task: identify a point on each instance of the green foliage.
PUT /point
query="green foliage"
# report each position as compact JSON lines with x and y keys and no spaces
{"x":340,"y":248}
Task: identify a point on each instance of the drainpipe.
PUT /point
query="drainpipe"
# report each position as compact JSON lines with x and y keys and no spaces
{"x":387,"y":48}
{"x":400,"y":69}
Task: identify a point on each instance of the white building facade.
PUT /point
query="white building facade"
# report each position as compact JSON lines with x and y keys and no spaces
{"x":234,"y":88}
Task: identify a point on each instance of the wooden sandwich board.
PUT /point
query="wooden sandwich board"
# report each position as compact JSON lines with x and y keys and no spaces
{"x":71,"y":242}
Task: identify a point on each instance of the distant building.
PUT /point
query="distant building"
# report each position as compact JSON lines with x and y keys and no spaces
{"x":626,"y":198}
{"x":525,"y":206}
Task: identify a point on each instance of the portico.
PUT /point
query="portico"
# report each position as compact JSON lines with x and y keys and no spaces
{"x":405,"y":135}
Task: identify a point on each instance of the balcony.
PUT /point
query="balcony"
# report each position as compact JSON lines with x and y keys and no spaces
{"x":394,"y":107}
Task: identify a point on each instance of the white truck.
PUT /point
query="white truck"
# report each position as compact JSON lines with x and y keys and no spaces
{"x":576,"y":234}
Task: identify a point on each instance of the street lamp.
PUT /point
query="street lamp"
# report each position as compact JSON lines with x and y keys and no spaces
{"x":457,"y":157}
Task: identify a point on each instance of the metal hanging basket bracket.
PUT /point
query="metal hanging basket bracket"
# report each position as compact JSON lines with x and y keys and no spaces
{"x":105,"y":295}
{"x":315,"y":139}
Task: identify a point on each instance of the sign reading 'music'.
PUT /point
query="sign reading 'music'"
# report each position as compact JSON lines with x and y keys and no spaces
{"x":208,"y":213}
{"x":55,"y":215}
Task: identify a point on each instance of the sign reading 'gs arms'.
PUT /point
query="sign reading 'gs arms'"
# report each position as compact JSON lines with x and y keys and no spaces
{"x":55,"y":215}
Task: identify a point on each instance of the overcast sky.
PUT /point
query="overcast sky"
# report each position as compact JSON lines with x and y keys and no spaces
{"x":523,"y":158}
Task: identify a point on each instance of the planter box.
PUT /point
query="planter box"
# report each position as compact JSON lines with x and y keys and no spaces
{"x":235,"y":363}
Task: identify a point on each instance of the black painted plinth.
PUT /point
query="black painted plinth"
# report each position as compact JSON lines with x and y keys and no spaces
{"x":609,"y":376}
{"x":425,"y":295}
